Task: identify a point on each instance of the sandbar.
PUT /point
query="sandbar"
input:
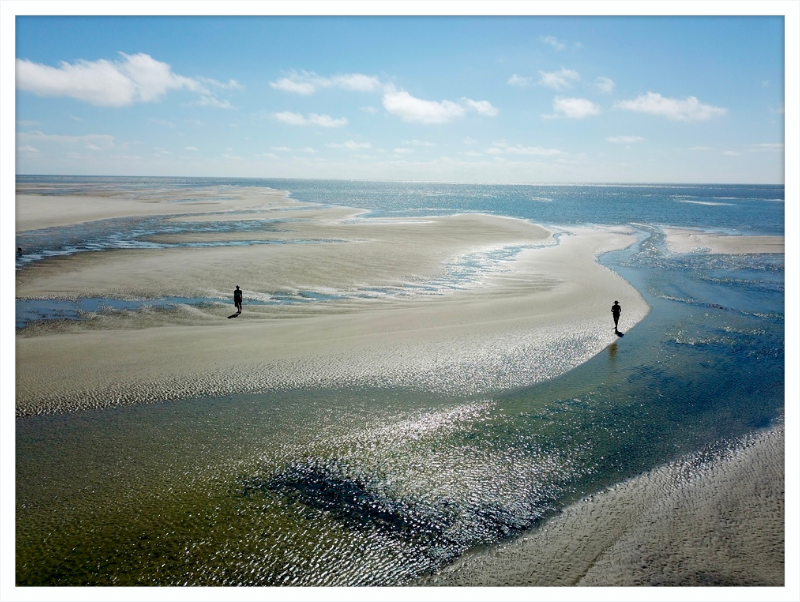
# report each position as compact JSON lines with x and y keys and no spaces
{"x":399,"y":311}
{"x":688,"y":241}
{"x":37,"y":207}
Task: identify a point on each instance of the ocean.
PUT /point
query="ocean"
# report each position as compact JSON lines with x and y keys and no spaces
{"x":381,"y":485}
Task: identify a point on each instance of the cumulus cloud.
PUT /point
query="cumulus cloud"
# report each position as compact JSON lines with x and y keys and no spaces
{"x":402,"y":104}
{"x":574,"y":108}
{"x":688,"y":109}
{"x":133,"y":78}
{"x":624,"y":139}
{"x":308,"y":82}
{"x":605,"y":84}
{"x":482,"y":107}
{"x":518,"y":80}
{"x":553,"y":41}
{"x":558,"y":80}
{"x":325,"y":121}
{"x":409,"y":108}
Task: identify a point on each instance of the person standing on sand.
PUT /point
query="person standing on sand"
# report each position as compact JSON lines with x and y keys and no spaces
{"x":237,"y":299}
{"x":615,"y":311}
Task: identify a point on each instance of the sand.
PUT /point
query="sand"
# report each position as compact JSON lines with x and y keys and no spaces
{"x":519,"y":321}
{"x":531,"y":317}
{"x":715,"y":518}
{"x":37,"y":208}
{"x":688,"y":241}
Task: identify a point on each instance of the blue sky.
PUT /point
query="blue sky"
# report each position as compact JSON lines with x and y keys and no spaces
{"x":475,"y":99}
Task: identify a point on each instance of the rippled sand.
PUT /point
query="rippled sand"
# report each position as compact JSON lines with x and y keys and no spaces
{"x":517,"y":322}
{"x":687,"y":241}
{"x":715,"y":518}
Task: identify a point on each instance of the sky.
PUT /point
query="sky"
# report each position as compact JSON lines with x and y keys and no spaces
{"x":495,"y":99}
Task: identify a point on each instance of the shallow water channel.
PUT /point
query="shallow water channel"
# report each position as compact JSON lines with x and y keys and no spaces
{"x":379,"y":486}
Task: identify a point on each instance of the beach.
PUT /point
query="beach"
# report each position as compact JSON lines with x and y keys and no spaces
{"x":687,"y":241}
{"x":715,"y":518}
{"x":464,"y":305}
{"x":554,"y":304}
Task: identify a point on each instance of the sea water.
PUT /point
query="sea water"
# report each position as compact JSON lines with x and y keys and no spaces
{"x":377,"y":486}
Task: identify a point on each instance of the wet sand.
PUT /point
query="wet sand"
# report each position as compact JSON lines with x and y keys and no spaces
{"x":715,"y":518}
{"x":521,"y":321}
{"x":688,"y":241}
{"x":693,"y":522}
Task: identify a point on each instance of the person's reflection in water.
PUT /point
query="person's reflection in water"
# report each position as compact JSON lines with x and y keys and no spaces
{"x":612,"y":352}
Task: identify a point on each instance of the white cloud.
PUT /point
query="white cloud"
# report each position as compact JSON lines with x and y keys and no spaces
{"x":731,"y":153}
{"x":553,"y":41}
{"x":518,"y":149}
{"x":605,"y":84}
{"x":133,"y":78}
{"x":624,"y":139}
{"x":574,"y":108}
{"x":290,"y":118}
{"x":768,"y":147}
{"x":350,"y":145}
{"x":688,"y":109}
{"x":518,"y":80}
{"x":190,"y":148}
{"x":409,"y":108}
{"x":404,"y":151}
{"x":419,"y":143}
{"x":370,"y":110}
{"x":37,"y":139}
{"x":559,"y":80}
{"x":308,"y":83}
{"x":26,"y":148}
{"x":210,"y":101}
{"x":482,"y":107}
{"x":325,"y":121}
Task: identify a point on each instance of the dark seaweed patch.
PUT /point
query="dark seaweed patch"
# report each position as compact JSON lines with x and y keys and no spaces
{"x":442,"y":528}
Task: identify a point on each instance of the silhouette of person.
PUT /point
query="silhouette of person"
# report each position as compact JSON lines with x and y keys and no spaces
{"x":237,"y":299}
{"x":615,"y":311}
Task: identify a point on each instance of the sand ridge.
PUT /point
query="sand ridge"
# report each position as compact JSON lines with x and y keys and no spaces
{"x":681,"y":240}
{"x":532,"y":316}
{"x":714,"y":518}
